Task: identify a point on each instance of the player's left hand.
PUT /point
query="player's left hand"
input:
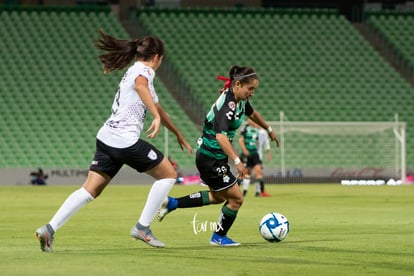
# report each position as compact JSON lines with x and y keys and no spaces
{"x":184,"y":144}
{"x":154,"y":128}
{"x":273,"y":137}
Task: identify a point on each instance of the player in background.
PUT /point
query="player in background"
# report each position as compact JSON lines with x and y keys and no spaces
{"x":118,"y":141}
{"x":215,"y":150}
{"x":251,"y":156}
{"x":263,"y":142}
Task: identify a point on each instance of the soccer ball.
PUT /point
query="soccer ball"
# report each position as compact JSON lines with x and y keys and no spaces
{"x":274,"y":227}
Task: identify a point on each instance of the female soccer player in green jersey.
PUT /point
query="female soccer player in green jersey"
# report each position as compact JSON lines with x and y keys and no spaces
{"x":215,"y":149}
{"x":251,"y":142}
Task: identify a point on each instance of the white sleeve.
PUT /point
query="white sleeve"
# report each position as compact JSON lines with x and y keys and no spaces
{"x":264,"y":139}
{"x":149,"y":74}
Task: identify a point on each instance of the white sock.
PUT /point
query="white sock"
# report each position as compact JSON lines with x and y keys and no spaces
{"x":258,"y":190}
{"x":246,"y":183}
{"x":157,"y":194}
{"x":72,"y":204}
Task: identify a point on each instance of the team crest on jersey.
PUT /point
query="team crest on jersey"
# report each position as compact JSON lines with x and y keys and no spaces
{"x":232,"y":105}
{"x":152,"y":155}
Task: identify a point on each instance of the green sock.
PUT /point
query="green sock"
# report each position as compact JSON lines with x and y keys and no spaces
{"x":261,"y":183}
{"x":228,"y":216}
{"x":194,"y":200}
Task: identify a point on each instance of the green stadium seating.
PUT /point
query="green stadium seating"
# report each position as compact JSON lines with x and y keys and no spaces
{"x":54,"y":93}
{"x":398,"y":29}
{"x":313,"y":65}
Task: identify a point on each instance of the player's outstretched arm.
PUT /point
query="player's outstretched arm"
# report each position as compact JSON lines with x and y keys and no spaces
{"x":168,"y":123}
{"x":258,"y":119}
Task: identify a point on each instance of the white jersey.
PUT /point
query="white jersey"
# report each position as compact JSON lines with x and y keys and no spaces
{"x":263,"y":140}
{"x":124,"y":126}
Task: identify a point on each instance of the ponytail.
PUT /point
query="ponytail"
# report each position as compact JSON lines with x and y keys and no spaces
{"x":120,"y":52}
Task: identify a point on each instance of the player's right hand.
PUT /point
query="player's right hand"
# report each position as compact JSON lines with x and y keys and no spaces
{"x":241,"y":169}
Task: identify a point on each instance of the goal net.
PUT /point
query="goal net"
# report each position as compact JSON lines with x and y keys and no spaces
{"x":346,"y":150}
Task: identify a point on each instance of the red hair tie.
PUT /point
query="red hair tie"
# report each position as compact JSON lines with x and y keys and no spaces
{"x":227,"y":83}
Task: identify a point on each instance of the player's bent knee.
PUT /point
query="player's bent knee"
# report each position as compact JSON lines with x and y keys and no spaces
{"x":163,"y":170}
{"x":235,"y":203}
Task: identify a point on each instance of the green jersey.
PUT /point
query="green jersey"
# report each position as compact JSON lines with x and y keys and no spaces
{"x":251,"y":137}
{"x":225,"y":117}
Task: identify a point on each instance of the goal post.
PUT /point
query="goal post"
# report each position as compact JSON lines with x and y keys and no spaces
{"x":347,"y":150}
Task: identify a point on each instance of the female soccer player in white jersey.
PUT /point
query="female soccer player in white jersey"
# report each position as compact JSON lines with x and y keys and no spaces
{"x":215,"y":149}
{"x":118,"y":141}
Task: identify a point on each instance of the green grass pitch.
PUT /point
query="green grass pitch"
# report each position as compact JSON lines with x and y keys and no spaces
{"x":335,"y":230}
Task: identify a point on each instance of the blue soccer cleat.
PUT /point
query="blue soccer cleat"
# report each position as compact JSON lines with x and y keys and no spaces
{"x":218,"y":240}
{"x":168,"y":205}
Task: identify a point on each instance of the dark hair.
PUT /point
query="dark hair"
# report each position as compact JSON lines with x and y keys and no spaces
{"x":244,"y":74}
{"x":121,"y":52}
